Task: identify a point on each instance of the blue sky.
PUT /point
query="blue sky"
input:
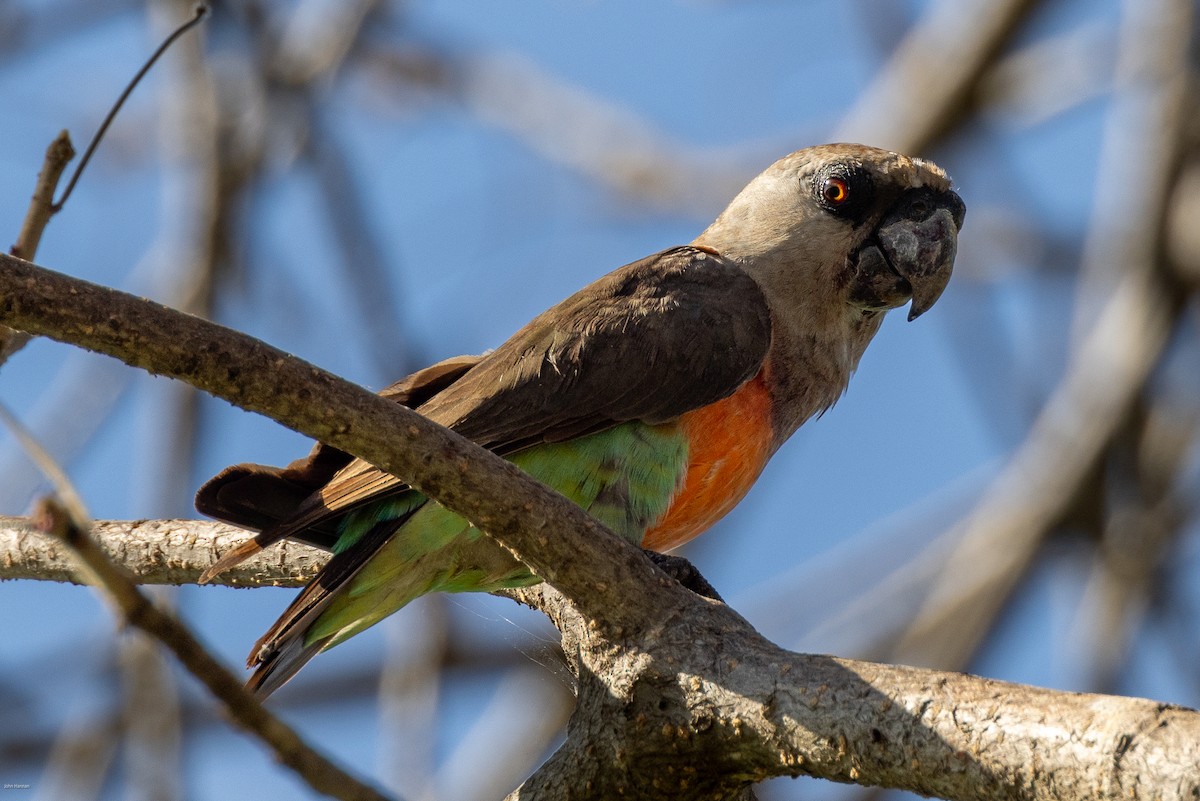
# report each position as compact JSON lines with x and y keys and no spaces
{"x":480,"y":229}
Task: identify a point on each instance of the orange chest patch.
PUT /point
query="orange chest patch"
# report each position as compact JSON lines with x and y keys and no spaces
{"x":729,"y":443}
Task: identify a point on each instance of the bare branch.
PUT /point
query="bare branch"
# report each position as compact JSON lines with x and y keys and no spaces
{"x":58,"y":155}
{"x":201,"y":12}
{"x":1123,"y":342}
{"x":321,"y":774}
{"x":916,"y":99}
{"x":698,"y":695}
{"x":705,"y":690}
{"x":41,"y":207}
{"x":156,"y":552}
{"x":593,"y":566}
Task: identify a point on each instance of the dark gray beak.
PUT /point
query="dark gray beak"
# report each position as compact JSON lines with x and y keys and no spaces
{"x":919,"y":237}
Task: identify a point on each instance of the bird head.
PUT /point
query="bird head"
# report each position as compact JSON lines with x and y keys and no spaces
{"x":872,"y":228}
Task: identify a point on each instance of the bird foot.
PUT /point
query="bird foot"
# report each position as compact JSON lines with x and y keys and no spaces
{"x":685,"y":573}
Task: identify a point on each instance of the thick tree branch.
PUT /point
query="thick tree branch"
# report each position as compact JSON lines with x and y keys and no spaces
{"x":701,"y":703}
{"x":678,"y":696}
{"x":708,"y":691}
{"x":597,"y":570}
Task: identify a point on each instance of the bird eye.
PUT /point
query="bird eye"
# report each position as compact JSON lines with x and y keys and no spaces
{"x":844,"y":190}
{"x":835,"y":191}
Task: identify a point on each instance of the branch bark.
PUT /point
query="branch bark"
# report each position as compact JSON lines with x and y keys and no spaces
{"x":91,"y":561}
{"x":156,"y":552}
{"x":706,"y":701}
{"x":679,"y":697}
{"x":697,"y":704}
{"x":37,"y":217}
{"x":595,"y":569}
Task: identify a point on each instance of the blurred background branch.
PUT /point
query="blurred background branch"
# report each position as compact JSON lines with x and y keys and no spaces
{"x":376,"y":185}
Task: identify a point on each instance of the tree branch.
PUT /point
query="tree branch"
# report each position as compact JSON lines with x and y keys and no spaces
{"x":709,"y":691}
{"x":156,"y":552}
{"x":699,"y":703}
{"x":914,"y":100}
{"x":41,"y":206}
{"x":118,"y":587}
{"x":37,"y":217}
{"x":679,"y":697}
{"x":595,"y":568}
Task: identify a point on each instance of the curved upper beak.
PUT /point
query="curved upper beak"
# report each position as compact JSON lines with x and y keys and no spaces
{"x":919,"y":236}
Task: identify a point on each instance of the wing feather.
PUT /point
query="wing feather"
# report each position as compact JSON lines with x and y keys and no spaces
{"x":662,"y":336}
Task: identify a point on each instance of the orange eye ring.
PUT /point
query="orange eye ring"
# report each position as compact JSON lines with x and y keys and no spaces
{"x":835,"y":191}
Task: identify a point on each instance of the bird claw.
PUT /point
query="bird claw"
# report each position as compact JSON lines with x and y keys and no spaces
{"x":685,"y":573}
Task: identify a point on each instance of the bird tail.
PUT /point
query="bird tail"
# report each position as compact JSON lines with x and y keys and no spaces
{"x":287,"y":645}
{"x":276,"y":668}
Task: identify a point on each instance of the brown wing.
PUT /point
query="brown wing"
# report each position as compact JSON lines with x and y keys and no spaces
{"x":670,"y":333}
{"x":258,"y":496}
{"x":662,"y":336}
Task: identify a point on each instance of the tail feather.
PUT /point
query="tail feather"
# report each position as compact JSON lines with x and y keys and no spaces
{"x":233,"y":557}
{"x":285,"y":647}
{"x":277,"y":667}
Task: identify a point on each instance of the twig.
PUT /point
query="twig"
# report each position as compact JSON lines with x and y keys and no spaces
{"x":321,"y":774}
{"x":41,"y":207}
{"x":201,"y":13}
{"x":58,"y":155}
{"x":50,"y":468}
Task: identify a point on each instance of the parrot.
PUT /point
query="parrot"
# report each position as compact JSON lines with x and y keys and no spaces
{"x":652,"y":398}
